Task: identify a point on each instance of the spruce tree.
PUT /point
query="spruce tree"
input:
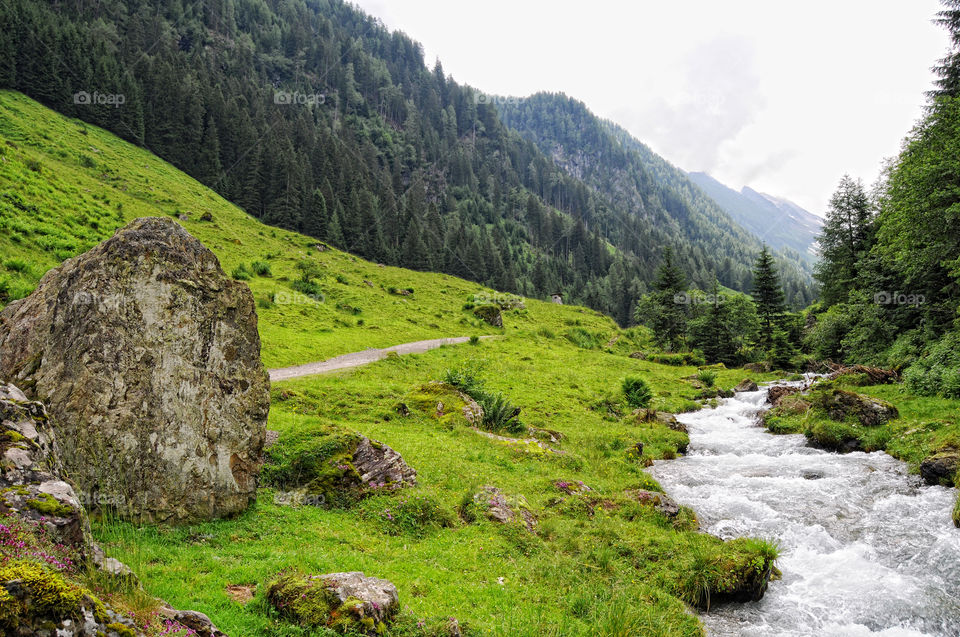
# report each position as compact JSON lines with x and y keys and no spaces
{"x":669,"y":321}
{"x":845,"y":238}
{"x":768,"y":296}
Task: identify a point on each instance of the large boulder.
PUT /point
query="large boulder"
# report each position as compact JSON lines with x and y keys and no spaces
{"x":349,"y":602}
{"x":148,"y":359}
{"x":489,"y":314}
{"x":746,"y":385}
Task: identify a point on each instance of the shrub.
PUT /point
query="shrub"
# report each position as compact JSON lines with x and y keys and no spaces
{"x":582,"y":338}
{"x":415,"y":515}
{"x":938,"y":371}
{"x":707,"y":377}
{"x":678,"y":359}
{"x":241,"y":273}
{"x":16,"y":265}
{"x":636,"y":392}
{"x":474,"y":340}
{"x":310,"y":288}
{"x":463,"y":379}
{"x":499,"y":413}
{"x":261,"y":268}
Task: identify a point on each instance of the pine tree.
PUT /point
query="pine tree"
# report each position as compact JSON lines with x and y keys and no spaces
{"x":334,"y":231}
{"x":713,"y":332}
{"x":845,"y":238}
{"x":768,"y":296}
{"x":669,"y":321}
{"x":415,"y":255}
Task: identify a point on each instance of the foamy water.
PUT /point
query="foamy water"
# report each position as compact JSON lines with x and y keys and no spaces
{"x":867,"y":549}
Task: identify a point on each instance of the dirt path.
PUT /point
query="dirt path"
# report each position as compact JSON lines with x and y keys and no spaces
{"x":356,"y":359}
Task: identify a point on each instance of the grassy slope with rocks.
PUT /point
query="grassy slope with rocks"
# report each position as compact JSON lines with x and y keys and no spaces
{"x":597,"y":563}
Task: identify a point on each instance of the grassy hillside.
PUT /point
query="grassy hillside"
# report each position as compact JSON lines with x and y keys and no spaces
{"x":598,"y":562}
{"x":65,"y":186}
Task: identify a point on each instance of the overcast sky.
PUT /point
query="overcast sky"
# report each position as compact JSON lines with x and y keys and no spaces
{"x":782,"y":97}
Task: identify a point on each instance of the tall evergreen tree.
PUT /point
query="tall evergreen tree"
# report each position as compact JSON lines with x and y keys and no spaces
{"x":768,"y":296}
{"x":845,"y":239}
{"x":670,"y":317}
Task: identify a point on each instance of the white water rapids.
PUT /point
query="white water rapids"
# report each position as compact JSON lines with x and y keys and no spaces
{"x":867,"y":549}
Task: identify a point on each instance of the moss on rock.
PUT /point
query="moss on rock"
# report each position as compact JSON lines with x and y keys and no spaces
{"x":349,"y":603}
{"x":31,"y":590}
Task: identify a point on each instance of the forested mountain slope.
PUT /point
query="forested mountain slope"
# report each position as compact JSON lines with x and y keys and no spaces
{"x":312,"y":116}
{"x":641,"y":183}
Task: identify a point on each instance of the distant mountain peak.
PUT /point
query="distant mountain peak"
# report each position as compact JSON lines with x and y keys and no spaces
{"x":776,"y":221}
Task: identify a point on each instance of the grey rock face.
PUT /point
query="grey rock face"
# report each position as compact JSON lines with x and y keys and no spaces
{"x":378,"y":464}
{"x":148,"y":359}
{"x":746,"y":385}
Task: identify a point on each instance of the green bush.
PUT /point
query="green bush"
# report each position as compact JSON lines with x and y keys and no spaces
{"x":937,"y":373}
{"x":678,"y":359}
{"x":499,"y":414}
{"x":463,"y":379}
{"x":415,"y":515}
{"x":16,"y":265}
{"x":310,"y":288}
{"x":707,"y":377}
{"x":241,"y":273}
{"x":636,"y":392}
{"x":261,"y":268}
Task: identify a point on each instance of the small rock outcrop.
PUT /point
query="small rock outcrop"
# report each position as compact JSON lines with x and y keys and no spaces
{"x":37,"y":602}
{"x":30,"y":484}
{"x":746,"y":385}
{"x":659,"y":501}
{"x":378,"y":464}
{"x":941,"y":468}
{"x":348,"y":602}
{"x":499,"y":507}
{"x":759,"y":368}
{"x":841,"y":404}
{"x":148,"y":359}
{"x":775,"y":393}
{"x":444,"y":402}
{"x":200,"y":624}
{"x":334,"y":468}
{"x":489,"y":314}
